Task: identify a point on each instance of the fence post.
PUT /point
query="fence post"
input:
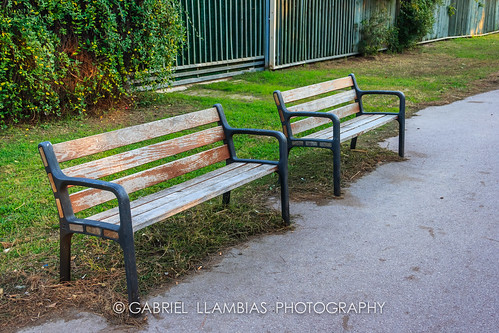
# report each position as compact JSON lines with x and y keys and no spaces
{"x":270,"y":34}
{"x":266,"y":33}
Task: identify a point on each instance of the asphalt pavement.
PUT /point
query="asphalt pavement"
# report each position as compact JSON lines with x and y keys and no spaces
{"x":413,"y":247}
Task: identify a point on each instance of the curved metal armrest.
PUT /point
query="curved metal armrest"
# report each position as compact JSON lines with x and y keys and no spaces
{"x":399,"y":94}
{"x":230,"y":131}
{"x":334,"y":118}
{"x":61,"y":181}
{"x":117,"y":189}
{"x":283,"y":143}
{"x":382,"y":92}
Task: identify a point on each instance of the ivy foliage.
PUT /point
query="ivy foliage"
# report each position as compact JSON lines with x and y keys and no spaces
{"x":414,"y":21}
{"x":61,"y":57}
{"x":373,"y":33}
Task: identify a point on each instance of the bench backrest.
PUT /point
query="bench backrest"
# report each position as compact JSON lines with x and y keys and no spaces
{"x":335,"y":96}
{"x":128,"y":160}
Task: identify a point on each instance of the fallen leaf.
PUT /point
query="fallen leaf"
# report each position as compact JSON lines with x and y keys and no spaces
{"x":6,"y":244}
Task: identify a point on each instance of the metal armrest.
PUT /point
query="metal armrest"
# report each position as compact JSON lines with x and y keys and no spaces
{"x":399,"y":94}
{"x":62,"y":181}
{"x":230,"y":131}
{"x":334,"y":118}
{"x":283,"y":144}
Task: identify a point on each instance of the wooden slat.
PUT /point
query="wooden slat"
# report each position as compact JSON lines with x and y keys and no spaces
{"x":199,"y":185}
{"x":111,"y":214}
{"x":346,"y":126}
{"x":215,"y":189}
{"x":316,"y":89}
{"x":166,"y":201}
{"x":354,"y":127}
{"x":130,"y":159}
{"x":325,"y":102}
{"x":312,"y":122}
{"x":91,"y":197}
{"x":186,"y":196}
{"x":70,"y":150}
{"x":376,"y":122}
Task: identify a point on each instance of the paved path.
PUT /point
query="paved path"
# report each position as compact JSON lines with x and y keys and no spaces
{"x":413,"y":247}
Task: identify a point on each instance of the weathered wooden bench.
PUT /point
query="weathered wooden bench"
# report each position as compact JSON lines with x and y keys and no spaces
{"x":329,"y":102}
{"x":119,"y":223}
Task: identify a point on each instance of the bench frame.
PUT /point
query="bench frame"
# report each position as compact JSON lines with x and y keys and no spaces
{"x":123,"y":231}
{"x":334,"y":144}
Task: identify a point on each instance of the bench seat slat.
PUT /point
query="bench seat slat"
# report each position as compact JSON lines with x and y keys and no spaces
{"x":312,"y":122}
{"x":205,"y":192}
{"x":158,"y":195}
{"x":156,"y":207}
{"x":376,"y":121}
{"x":325,"y":102}
{"x":90,"y":145}
{"x":316,"y":89}
{"x":133,"y":158}
{"x":140,"y":180}
{"x":353,"y":127}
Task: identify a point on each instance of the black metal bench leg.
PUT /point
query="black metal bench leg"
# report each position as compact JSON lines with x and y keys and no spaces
{"x":353,"y":143}
{"x":131,"y":276}
{"x":401,"y":138}
{"x":336,"y":170}
{"x":226,"y":198}
{"x":283,"y":179}
{"x":65,"y":256}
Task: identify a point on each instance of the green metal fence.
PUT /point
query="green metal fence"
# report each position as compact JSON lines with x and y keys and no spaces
{"x":228,"y":37}
{"x":314,"y":30}
{"x":465,"y":18}
{"x":224,"y":37}
{"x":308,"y":30}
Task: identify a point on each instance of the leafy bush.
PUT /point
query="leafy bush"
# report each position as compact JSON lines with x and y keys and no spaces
{"x":414,"y":21}
{"x":374,"y":33}
{"x":65,"y":56}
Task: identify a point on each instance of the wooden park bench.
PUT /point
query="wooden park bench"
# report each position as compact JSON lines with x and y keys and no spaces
{"x":331,"y":102}
{"x":119,"y":223}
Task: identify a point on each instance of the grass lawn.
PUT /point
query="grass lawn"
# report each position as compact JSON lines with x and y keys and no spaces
{"x":433,"y":74}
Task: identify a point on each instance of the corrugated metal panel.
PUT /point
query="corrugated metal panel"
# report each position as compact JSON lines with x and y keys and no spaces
{"x":465,"y":17}
{"x":442,"y":19}
{"x":224,"y":37}
{"x":492,"y":15}
{"x":312,"y":30}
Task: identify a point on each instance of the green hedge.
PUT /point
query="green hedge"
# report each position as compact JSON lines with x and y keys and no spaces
{"x":66,"y":56}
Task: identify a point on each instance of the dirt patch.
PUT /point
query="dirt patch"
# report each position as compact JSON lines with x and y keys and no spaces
{"x":39,"y":299}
